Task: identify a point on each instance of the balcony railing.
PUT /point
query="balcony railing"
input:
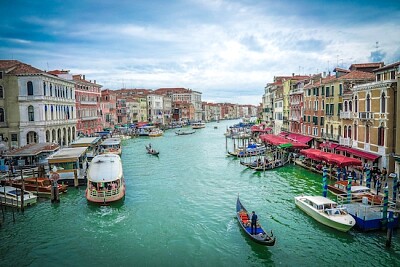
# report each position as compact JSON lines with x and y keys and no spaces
{"x":346,"y":115}
{"x":346,"y":141}
{"x":365,"y":115}
{"x":334,"y":137}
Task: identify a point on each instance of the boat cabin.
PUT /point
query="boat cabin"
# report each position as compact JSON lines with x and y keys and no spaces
{"x":91,"y":143}
{"x":71,"y":164}
{"x":111,"y":145}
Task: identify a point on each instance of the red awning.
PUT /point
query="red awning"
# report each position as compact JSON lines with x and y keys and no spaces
{"x":330,"y":145}
{"x":331,"y":158}
{"x":299,"y":138}
{"x":342,"y":148}
{"x":362,"y":154}
{"x":277,"y":140}
{"x":283,"y":134}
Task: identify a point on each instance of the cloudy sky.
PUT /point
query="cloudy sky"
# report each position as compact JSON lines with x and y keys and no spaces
{"x":228,"y":50}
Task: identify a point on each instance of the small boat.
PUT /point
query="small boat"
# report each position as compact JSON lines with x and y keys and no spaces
{"x":261,"y":236}
{"x":268,"y":166}
{"x":198,"y":125}
{"x":357,"y":192}
{"x":39,"y":186}
{"x":11,"y":196}
{"x":250,"y":150}
{"x":105,"y":179}
{"x":180,"y":132}
{"x":156,"y":132}
{"x":326,"y":212}
{"x":111,"y":145}
{"x":152,"y":151}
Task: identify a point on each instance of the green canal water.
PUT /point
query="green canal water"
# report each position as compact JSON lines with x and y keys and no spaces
{"x":179,"y":210}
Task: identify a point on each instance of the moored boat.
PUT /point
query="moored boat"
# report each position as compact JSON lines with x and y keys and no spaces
{"x":39,"y":186}
{"x":11,"y":196}
{"x":339,"y":188}
{"x":326,"y":212}
{"x":250,"y":150}
{"x":111,"y":145}
{"x":261,"y":236}
{"x":156,"y":132}
{"x":105,"y":179}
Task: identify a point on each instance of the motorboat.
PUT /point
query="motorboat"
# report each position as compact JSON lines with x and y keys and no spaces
{"x":11,"y":196}
{"x":39,"y":186}
{"x":339,"y":188}
{"x":326,"y":211}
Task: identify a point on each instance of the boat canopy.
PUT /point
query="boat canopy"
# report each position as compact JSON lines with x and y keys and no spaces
{"x":105,"y":168}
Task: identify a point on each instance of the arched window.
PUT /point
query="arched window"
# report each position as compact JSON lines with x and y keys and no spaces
{"x":355,"y":104}
{"x":2,"y":117}
{"x":31,"y":137}
{"x":51,"y":89}
{"x":383,"y":103}
{"x":381,"y":135}
{"x":367,"y":134}
{"x":44,"y":88}
{"x":368,"y":103}
{"x":349,"y":131}
{"x":355,"y":132}
{"x":331,"y":129}
{"x":345,"y":106}
{"x":345,"y":132}
{"x":29,"y":86}
{"x":1,"y":92}
{"x":31,"y":113}
{"x":350,"y":106}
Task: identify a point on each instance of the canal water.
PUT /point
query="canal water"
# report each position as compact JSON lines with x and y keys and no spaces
{"x":179,"y":210}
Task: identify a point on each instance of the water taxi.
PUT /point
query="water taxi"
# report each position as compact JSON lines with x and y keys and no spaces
{"x":111,"y":145}
{"x":105,"y":179}
{"x":39,"y":186}
{"x":326,"y":212}
{"x":339,"y":188}
{"x":11,"y":196}
{"x":198,"y":125}
{"x":156,"y":133}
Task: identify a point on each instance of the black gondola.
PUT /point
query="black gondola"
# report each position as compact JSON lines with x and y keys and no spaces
{"x":152,"y":151}
{"x":261,"y":236}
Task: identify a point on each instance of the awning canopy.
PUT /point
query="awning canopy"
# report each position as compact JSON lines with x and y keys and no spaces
{"x":277,"y":140}
{"x":330,"y":145}
{"x":260,"y":128}
{"x":360,"y":153}
{"x":331,"y":158}
{"x":299,"y":138}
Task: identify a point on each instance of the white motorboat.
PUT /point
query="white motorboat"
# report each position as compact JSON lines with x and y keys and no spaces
{"x":11,"y":196}
{"x":326,"y":212}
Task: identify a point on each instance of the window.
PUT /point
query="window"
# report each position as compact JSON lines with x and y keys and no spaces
{"x":340,"y":89}
{"x":340,"y":107}
{"x":2,"y":117}
{"x":31,"y":114}
{"x":367,"y":134}
{"x":345,"y":132}
{"x":14,"y":137}
{"x":51,"y":89}
{"x":383,"y":103}
{"x":1,"y":75}
{"x":381,"y":135}
{"x":350,"y":106}
{"x":368,"y":103}
{"x":332,"y":129}
{"x":332,"y":109}
{"x":333,"y":89}
{"x":1,"y":92}
{"x":355,"y":132}
{"x":355,"y":104}
{"x":29,"y":86}
{"x":378,"y":77}
{"x":322,"y":121}
{"x":340,"y":130}
{"x":349,"y":131}
{"x":327,"y":91}
{"x":44,"y":88}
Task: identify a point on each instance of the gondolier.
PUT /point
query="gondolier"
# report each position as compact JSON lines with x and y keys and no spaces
{"x":253,"y":223}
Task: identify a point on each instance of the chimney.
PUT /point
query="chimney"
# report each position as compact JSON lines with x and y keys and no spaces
{"x":94,"y":81}
{"x":293,"y":74}
{"x":83,"y":76}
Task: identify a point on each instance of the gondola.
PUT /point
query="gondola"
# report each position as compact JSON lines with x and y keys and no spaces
{"x":179,"y":132}
{"x":261,"y":237}
{"x":152,"y":151}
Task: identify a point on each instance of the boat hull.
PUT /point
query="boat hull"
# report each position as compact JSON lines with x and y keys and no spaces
{"x":320,"y":217}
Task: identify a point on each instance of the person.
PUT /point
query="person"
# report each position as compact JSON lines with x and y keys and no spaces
{"x":384,"y":173}
{"x":253,"y":223}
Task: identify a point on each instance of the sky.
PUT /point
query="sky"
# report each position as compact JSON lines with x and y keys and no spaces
{"x":227,"y":50}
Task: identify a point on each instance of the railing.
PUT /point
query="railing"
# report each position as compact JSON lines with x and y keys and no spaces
{"x":346,"y":115}
{"x":365,"y":115}
{"x":345,"y":141}
{"x":334,"y":137}
{"x":104,"y":193}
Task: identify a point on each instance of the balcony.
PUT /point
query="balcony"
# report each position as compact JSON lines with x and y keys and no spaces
{"x":365,"y":115}
{"x":346,"y":141}
{"x":346,"y":115}
{"x":333,"y":137}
